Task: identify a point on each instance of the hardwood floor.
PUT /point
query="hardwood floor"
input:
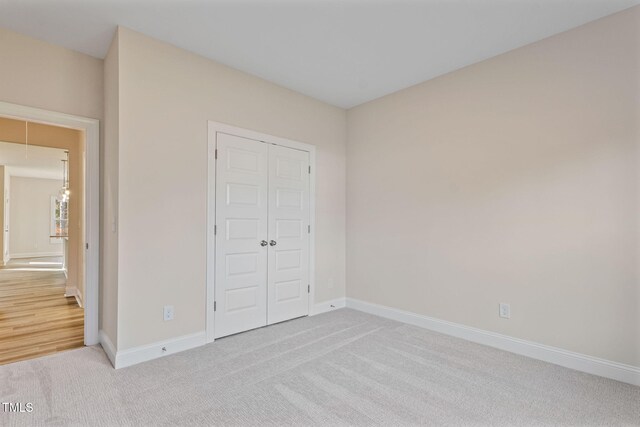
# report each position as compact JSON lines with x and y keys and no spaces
{"x":35,"y":317}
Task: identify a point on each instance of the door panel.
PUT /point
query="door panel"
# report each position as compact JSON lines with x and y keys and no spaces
{"x":288,"y":272}
{"x":241,"y":218}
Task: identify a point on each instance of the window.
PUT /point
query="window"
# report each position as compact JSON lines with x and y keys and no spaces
{"x":59,"y":220}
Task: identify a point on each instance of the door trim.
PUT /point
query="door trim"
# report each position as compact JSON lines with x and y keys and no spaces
{"x":91,"y":128}
{"x":213,"y":129}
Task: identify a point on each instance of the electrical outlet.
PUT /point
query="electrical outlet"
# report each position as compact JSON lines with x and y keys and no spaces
{"x":168,"y":312}
{"x":504,"y":311}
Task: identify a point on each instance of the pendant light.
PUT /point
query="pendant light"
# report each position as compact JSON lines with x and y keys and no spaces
{"x":63,"y":194}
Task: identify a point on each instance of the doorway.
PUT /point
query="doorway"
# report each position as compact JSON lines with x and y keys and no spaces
{"x":50,"y":231}
{"x":261,"y":230}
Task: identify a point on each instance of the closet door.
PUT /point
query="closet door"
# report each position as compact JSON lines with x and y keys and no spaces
{"x":288,"y":272}
{"x":241,"y":237}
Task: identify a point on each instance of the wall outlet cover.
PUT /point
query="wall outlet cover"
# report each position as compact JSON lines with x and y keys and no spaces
{"x":168,"y":312}
{"x":504,"y":311}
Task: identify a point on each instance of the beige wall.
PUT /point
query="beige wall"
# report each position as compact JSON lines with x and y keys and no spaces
{"x":166,"y":96}
{"x":5,"y":202}
{"x":39,"y":74}
{"x":109,"y":235}
{"x":3,"y":190}
{"x":30,"y":217}
{"x":513,"y":180}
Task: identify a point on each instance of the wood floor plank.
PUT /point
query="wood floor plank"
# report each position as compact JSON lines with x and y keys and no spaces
{"x":36,"y":318}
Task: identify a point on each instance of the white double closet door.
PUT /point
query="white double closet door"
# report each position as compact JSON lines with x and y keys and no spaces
{"x":262,"y":234}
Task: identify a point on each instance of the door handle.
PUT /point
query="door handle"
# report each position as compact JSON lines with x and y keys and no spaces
{"x":272,"y":242}
{"x":263,"y":243}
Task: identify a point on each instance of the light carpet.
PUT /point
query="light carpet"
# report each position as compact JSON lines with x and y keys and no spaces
{"x":340,"y":368}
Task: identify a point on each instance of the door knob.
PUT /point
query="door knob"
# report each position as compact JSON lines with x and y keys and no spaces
{"x":272,"y":242}
{"x":263,"y":243}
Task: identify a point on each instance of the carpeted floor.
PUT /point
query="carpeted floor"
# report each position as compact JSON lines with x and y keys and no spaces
{"x":338,"y":368}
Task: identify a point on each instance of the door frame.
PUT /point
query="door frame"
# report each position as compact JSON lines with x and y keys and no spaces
{"x":91,"y":129}
{"x":213,"y":129}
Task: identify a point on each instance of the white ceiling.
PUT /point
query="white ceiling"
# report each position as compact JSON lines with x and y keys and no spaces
{"x":32,"y":161}
{"x":342,"y":52}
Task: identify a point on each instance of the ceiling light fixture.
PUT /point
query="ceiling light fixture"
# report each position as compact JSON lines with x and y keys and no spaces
{"x":63,"y":194}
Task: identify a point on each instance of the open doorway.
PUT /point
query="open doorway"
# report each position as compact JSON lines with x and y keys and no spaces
{"x":42,"y":276}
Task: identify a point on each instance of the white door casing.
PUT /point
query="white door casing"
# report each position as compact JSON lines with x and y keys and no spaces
{"x":241,"y":235}
{"x":7,"y":207}
{"x":288,"y":272}
{"x":91,"y":129}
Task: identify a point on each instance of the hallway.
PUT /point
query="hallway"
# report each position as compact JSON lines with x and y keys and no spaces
{"x":35,"y":317}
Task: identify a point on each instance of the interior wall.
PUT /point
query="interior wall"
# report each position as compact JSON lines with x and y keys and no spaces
{"x":30,"y":205}
{"x":66,"y":139}
{"x":5,"y":216}
{"x":514,"y":180}
{"x":3,"y":187}
{"x":108,"y":235}
{"x":43,"y":75}
{"x":166,"y":97}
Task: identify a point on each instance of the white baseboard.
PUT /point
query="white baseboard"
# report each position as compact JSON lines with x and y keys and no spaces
{"x":143,"y":353}
{"x":34,"y":255}
{"x":79,"y":298}
{"x":72,"y":291}
{"x":323,"y":307}
{"x":108,"y":347}
{"x":579,"y":362}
